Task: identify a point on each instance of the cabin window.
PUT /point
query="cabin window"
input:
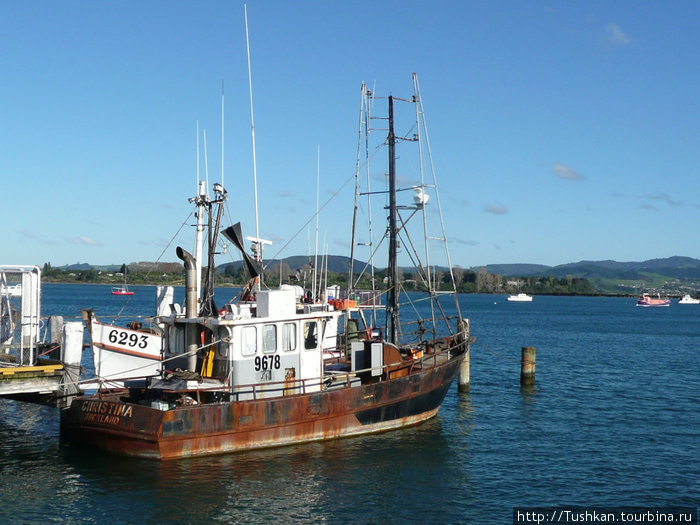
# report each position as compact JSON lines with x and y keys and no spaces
{"x":310,"y":335}
{"x":249,"y":340}
{"x":269,"y":336}
{"x":289,"y":337}
{"x":223,"y":345}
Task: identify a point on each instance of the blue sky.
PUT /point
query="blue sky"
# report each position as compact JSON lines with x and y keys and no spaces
{"x":560,"y":131}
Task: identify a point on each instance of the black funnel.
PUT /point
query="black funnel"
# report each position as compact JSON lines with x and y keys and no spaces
{"x":234,"y":234}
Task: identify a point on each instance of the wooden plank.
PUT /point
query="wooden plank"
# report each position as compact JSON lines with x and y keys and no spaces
{"x":26,"y":369}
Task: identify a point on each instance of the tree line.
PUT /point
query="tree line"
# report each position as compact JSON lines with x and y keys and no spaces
{"x":466,"y":281}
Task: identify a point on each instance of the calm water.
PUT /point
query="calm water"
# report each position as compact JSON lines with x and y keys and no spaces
{"x":614,"y":419}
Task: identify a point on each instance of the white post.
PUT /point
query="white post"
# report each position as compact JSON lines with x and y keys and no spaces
{"x":71,"y":355}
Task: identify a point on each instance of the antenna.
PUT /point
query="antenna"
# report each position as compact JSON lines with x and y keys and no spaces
{"x":206,"y":163}
{"x":222,"y":133}
{"x":318,"y":177}
{"x":252,"y":123}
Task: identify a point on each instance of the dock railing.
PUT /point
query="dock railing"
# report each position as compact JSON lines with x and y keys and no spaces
{"x":20,"y":313}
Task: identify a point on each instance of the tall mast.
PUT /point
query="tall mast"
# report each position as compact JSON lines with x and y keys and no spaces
{"x":257,"y":242}
{"x":314,"y":290}
{"x":200,"y":202}
{"x":393,"y":281}
{"x":222,"y":133}
{"x":357,"y":193}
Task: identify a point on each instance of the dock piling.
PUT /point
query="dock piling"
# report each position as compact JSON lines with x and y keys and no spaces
{"x":527,"y":366}
{"x":71,"y":353}
{"x":463,"y":381}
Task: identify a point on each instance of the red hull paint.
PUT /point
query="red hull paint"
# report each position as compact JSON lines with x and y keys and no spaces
{"x":131,"y":429}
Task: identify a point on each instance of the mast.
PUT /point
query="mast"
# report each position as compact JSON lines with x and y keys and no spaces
{"x":258,"y":242}
{"x":393,"y":277}
{"x":208,"y":307}
{"x":357,"y":193}
{"x":200,"y":202}
{"x":314,"y":290}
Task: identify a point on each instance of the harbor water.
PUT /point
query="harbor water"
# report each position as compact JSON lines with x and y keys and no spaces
{"x":612,"y":420}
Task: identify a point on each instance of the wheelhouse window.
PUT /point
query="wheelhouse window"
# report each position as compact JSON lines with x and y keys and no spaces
{"x":310,"y":335}
{"x":289,"y":337}
{"x":249,"y":340}
{"x":269,"y":338}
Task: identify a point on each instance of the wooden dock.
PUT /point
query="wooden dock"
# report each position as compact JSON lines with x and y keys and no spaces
{"x":42,"y":383}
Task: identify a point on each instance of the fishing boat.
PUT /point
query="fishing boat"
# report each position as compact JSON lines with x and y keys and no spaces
{"x":687,"y":299}
{"x":122,"y":289}
{"x":520,"y":298}
{"x":252,"y":374}
{"x":647,"y":300}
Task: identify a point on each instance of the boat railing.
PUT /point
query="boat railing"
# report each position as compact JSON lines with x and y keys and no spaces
{"x":335,"y":379}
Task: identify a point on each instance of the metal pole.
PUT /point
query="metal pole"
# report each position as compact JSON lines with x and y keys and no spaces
{"x":393,"y":306}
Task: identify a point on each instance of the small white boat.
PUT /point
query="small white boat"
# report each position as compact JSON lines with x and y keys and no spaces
{"x":687,"y":299}
{"x":123,"y":289}
{"x":520,"y":298}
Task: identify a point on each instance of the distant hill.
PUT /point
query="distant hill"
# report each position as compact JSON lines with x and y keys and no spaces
{"x":672,"y":273}
{"x":612,"y":276}
{"x":77,"y":266}
{"x":677,"y":267}
{"x":336,"y":263}
{"x":519,"y":270}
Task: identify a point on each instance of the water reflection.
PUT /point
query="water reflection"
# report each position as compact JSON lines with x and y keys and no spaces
{"x":312,"y":483}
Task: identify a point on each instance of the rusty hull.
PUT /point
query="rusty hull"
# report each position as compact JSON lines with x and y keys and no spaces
{"x":129,"y":429}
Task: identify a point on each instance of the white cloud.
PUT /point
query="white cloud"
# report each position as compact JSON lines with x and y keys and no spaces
{"x":496,"y":209}
{"x":565,"y":172}
{"x":38,"y":238}
{"x":662,"y":197}
{"x":457,"y":240}
{"x":616,"y":36}
{"x":85,"y":241}
{"x":647,"y":206}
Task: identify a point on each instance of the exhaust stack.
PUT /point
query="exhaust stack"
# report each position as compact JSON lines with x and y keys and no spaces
{"x":191,"y":306}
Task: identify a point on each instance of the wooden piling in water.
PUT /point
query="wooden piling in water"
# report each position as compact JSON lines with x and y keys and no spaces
{"x":527,"y":365}
{"x":463,"y":380}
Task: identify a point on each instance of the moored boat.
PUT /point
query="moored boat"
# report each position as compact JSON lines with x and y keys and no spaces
{"x":122,"y":289}
{"x":647,"y":300}
{"x":253,"y":374}
{"x":687,"y":299}
{"x":520,"y":298}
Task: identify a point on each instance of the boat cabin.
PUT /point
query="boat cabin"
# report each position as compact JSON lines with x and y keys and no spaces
{"x":256,"y":350}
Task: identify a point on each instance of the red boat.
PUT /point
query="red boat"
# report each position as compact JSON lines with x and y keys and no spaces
{"x":647,"y":300}
{"x":121,"y":290}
